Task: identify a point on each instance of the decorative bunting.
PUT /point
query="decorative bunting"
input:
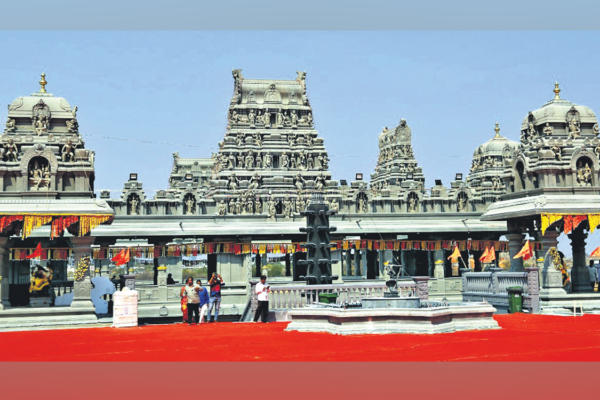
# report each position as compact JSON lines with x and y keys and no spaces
{"x":32,"y":222}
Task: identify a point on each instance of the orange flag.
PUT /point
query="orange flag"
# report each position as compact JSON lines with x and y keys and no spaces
{"x":485,"y":254}
{"x":122,"y":257}
{"x":454,"y":256}
{"x":37,"y":252}
{"x":595,"y":253}
{"x":526,"y":252}
{"x":491,"y":255}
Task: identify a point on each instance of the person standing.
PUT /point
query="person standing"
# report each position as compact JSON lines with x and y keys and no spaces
{"x":184,"y":309}
{"x":214,"y":301}
{"x":593,"y":274}
{"x":203,"y":296}
{"x":191,"y":291}
{"x":262,"y":292}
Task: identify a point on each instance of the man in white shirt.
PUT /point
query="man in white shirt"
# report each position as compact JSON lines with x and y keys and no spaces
{"x":262,"y":293}
{"x":193,"y":300}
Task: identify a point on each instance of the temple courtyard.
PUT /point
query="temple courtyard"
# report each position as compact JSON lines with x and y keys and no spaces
{"x":523,"y":337}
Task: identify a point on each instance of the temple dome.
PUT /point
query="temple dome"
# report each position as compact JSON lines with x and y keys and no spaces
{"x":495,"y":146}
{"x":555,"y":111}
{"x":23,"y":106}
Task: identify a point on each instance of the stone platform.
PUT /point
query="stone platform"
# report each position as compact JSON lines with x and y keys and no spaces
{"x":27,"y":318}
{"x":391,"y":302}
{"x":358,"y":321}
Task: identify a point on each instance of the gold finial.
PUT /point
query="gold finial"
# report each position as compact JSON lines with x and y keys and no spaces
{"x":556,"y":91}
{"x":497,"y":129}
{"x":43,"y":83}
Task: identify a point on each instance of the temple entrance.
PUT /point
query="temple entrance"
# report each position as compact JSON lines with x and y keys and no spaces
{"x":421,"y":263}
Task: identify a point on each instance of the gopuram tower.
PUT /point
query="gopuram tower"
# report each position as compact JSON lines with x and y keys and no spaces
{"x":271,"y":158}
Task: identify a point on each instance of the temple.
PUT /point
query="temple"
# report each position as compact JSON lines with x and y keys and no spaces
{"x":243,"y":206}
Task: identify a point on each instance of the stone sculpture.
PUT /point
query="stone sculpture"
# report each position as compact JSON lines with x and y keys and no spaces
{"x":319,"y":182}
{"x":255,"y":181}
{"x":279,"y":119}
{"x":133,"y":204}
{"x":267,"y":160}
{"x":233,"y":182}
{"x":294,"y":118}
{"x":11,"y":151}
{"x":548,"y":130}
{"x":574,"y":128}
{"x":10,"y":125}
{"x":271,"y":208}
{"x":287,"y":208}
{"x":68,"y":151}
{"x":72,"y":126}
{"x":299,"y":182}
{"x":285,"y":161}
{"x":189,"y":205}
{"x":412,"y":205}
{"x":584,"y":175}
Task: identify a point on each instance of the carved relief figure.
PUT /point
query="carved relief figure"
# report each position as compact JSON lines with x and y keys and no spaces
{"x":462,"y":204}
{"x":133,"y":204}
{"x":596,"y":129}
{"x":10,"y":151}
{"x":231,"y":159}
{"x":300,"y":205}
{"x":267,"y":160}
{"x":361,"y":203}
{"x":325,"y":162}
{"x":10,"y":125}
{"x":285,"y":161}
{"x":250,"y":205}
{"x":258,"y":139}
{"x":279,"y":118}
{"x":299,"y":182}
{"x":267,"y":118}
{"x":286,"y":118}
{"x":557,"y":150}
{"x":233,"y":182}
{"x":309,"y":162}
{"x":232,"y":207}
{"x":291,"y":140}
{"x":334,"y":205}
{"x":68,"y":151}
{"x":258,"y":161}
{"x":259,"y":118}
{"x":584,"y":175}
{"x":320,"y":182}
{"x":238,"y":206}
{"x":319,"y":162}
{"x":222,"y":208}
{"x":249,"y":160}
{"x":497,"y":182}
{"x":309,"y":140}
{"x":251,"y":118}
{"x":271,"y":210}
{"x":189,"y":205}
{"x":294,"y":118}
{"x":72,"y":126}
{"x":255,"y":182}
{"x":287,"y":208}
{"x":40,"y":125}
{"x":574,"y":128}
{"x":309,"y":119}
{"x":412,"y":204}
{"x":240,"y":139}
{"x":548,"y":130}
{"x":235,"y":117}
{"x":258,"y":203}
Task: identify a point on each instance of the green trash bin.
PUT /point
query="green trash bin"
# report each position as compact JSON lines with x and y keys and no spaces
{"x":328,"y":298}
{"x":515,"y":299}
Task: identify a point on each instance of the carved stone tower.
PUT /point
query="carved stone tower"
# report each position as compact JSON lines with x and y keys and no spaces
{"x":42,"y":151}
{"x":271,"y":158}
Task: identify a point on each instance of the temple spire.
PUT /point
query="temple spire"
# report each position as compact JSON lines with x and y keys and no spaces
{"x":43,"y":83}
{"x":556,"y":91}
{"x":497,"y":129}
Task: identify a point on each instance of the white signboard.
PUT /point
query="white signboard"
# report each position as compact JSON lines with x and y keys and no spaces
{"x":125,"y":309}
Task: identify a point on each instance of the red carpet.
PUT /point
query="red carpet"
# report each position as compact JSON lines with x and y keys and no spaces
{"x":523,"y":337}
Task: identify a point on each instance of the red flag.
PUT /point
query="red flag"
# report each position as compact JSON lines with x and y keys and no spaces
{"x":37,"y":252}
{"x":491,"y":255}
{"x":595,"y":253}
{"x":122,"y":257}
{"x":526,"y":252}
{"x":485,"y":254}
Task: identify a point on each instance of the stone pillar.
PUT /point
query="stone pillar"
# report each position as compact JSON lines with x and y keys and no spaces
{"x":515,"y":244}
{"x":439,"y":265}
{"x":348,"y":263}
{"x":551,"y":277}
{"x":495,"y":282}
{"x":363,"y":262}
{"x":258,"y":264}
{"x":580,"y":277}
{"x":4,"y":271}
{"x":162,"y":282}
{"x":336,"y":269}
{"x":463,"y":274}
{"x":422,"y":287}
{"x":82,"y":289}
{"x":288,"y":265}
{"x":357,"y":263}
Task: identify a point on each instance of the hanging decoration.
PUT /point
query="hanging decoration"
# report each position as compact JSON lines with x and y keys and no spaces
{"x":32,"y":222}
{"x":59,"y":225}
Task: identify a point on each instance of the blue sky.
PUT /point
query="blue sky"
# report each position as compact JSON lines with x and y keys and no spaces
{"x":173,"y":88}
